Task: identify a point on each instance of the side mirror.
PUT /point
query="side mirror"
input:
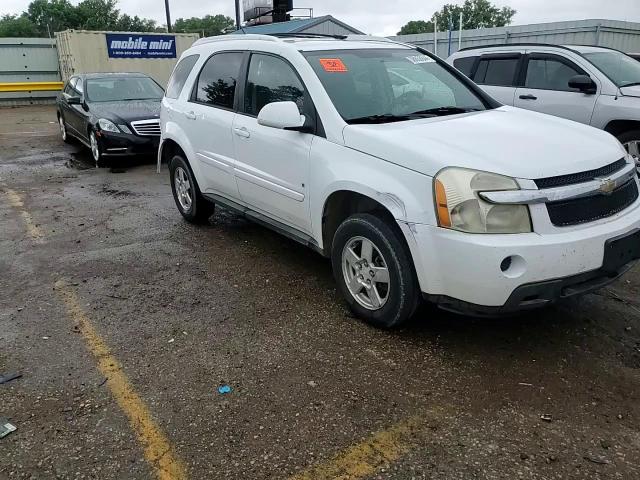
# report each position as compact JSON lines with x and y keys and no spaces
{"x":71,"y":100}
{"x":583,"y":83}
{"x":282,"y":115}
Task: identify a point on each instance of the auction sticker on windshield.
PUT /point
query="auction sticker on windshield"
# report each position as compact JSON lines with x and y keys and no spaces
{"x":333,"y":65}
{"x":418,"y":59}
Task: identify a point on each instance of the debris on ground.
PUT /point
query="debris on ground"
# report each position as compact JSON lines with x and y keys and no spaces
{"x":6,"y":428}
{"x":223,"y":389}
{"x":598,"y":460}
{"x":546,"y":417}
{"x":8,"y":377}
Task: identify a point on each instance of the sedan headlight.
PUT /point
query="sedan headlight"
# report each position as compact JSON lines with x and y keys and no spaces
{"x":108,"y":125}
{"x":460,"y":207}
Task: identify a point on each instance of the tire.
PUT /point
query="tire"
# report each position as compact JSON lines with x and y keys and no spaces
{"x":63,"y":130}
{"x":397,"y":291}
{"x":96,"y":149}
{"x":193,"y":207}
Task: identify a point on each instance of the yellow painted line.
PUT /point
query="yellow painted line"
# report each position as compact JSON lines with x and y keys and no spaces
{"x":15,"y":200}
{"x":157,"y":449}
{"x":364,"y":459}
{"x":31,"y":86}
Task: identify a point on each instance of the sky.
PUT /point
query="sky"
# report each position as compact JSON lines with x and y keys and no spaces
{"x":376,"y":17}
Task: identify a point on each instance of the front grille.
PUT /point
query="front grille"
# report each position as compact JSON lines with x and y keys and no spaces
{"x":147,"y":128}
{"x":581,"y":177}
{"x":595,"y":207}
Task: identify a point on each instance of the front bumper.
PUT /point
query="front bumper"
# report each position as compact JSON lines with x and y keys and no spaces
{"x":465,"y":272}
{"x":122,"y":144}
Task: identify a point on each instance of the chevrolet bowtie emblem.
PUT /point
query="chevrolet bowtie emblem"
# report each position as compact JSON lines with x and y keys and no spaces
{"x":607,"y":186}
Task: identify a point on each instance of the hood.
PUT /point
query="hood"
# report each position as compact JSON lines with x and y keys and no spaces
{"x":633,"y":91}
{"x":127,"y":111}
{"x":509,"y":141}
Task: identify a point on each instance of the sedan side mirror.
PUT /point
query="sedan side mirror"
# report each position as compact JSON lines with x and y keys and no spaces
{"x":74,"y":100}
{"x":583,"y":83}
{"x":282,"y":115}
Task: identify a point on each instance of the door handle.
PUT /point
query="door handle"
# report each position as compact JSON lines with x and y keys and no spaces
{"x":190,"y":115}
{"x":242,"y":132}
{"x":528,"y":97}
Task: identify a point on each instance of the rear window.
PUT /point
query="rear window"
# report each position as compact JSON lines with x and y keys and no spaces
{"x":465,"y":64}
{"x":180,"y":75}
{"x":496,"y":71}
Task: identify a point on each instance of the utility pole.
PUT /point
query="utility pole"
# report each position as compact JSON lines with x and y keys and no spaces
{"x":238,"y":15}
{"x":166,"y":7}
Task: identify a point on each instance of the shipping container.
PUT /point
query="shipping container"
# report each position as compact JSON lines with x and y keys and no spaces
{"x":624,"y":36}
{"x":154,"y":54}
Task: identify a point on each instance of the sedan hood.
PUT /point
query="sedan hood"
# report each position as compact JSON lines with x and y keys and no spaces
{"x":508,"y":141}
{"x":633,"y":91}
{"x":126,"y":111}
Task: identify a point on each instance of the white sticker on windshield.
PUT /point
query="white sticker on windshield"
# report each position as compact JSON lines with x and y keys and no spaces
{"x":417,"y":59}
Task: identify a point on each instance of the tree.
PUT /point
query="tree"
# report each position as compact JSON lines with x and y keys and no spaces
{"x":210,"y":24}
{"x":98,"y":14}
{"x":51,"y":16}
{"x":475,"y":14}
{"x":17,"y":26}
{"x":416,"y":26}
{"x":135,"y":24}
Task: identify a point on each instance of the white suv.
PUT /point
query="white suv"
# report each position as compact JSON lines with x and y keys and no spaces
{"x":593,"y":85}
{"x":432,"y":191}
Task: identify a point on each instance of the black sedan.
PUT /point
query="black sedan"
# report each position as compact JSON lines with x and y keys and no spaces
{"x":113,"y":114}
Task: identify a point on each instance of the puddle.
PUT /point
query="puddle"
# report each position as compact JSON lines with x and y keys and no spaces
{"x":79,"y":161}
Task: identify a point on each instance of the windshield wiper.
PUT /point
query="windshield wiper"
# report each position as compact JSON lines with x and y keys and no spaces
{"x":384,"y":118}
{"x":632,"y":84}
{"x":441,"y":111}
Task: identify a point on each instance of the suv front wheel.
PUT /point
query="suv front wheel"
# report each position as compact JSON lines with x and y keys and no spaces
{"x":373,"y":270}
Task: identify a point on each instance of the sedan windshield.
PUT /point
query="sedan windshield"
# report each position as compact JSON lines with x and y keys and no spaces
{"x":387,"y":85}
{"x":623,"y":70}
{"x":123,"y":88}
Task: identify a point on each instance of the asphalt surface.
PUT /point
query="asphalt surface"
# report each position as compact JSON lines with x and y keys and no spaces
{"x":315,"y":393}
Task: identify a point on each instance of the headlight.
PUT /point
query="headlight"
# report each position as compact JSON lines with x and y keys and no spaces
{"x":124,"y":128}
{"x":107,"y":125}
{"x":459,"y":206}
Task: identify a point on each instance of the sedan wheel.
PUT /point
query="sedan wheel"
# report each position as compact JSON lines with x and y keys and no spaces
{"x":63,"y":129}
{"x":95,"y":149}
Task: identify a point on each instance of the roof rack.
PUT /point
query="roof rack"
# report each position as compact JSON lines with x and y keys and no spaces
{"x":307,"y":35}
{"x":228,"y":38}
{"x":529,"y":44}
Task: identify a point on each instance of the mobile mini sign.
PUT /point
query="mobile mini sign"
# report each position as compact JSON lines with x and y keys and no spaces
{"x":141,"y":46}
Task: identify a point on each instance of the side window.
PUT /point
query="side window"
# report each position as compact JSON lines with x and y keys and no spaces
{"x":497,"y":71}
{"x":218,"y":79}
{"x":271,"y":79}
{"x":68,"y":89}
{"x":550,"y":74}
{"x":180,"y":75}
{"x":79,"y":87}
{"x":465,"y":64}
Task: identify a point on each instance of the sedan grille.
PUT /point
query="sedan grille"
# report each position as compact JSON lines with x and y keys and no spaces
{"x":147,"y":128}
{"x":592,"y":208}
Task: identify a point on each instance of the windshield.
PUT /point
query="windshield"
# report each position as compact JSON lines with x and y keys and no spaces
{"x":123,"y":88}
{"x":620,"y":68}
{"x":385,"y":85}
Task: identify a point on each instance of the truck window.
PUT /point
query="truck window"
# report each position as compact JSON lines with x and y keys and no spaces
{"x":465,"y":64}
{"x":497,"y":71}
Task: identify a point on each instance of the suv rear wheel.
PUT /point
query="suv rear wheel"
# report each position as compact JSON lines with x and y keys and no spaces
{"x":373,"y":269}
{"x":190,"y":202}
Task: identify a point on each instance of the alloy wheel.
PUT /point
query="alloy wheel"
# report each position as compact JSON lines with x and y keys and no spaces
{"x":366,"y":273}
{"x":63,"y":129}
{"x":95,"y":149}
{"x":183,"y":189}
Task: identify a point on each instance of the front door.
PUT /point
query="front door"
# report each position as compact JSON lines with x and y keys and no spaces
{"x":272,"y":165}
{"x":546,"y":89}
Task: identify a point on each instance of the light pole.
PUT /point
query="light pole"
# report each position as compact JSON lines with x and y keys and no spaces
{"x":166,"y":7}
{"x":237,"y":14}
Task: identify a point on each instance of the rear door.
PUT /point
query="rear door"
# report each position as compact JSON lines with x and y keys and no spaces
{"x":546,"y":88}
{"x":209,"y":119}
{"x":497,"y":74}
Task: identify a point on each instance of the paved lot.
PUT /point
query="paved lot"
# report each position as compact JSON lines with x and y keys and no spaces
{"x":124,"y":321}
